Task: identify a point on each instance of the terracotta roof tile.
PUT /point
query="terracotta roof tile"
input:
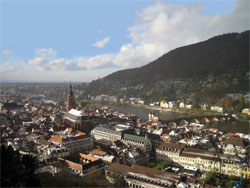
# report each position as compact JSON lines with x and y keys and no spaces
{"x":230,"y":134}
{"x":80,"y":134}
{"x":88,"y":157}
{"x":57,"y":139}
{"x":74,"y":165}
{"x":98,"y":152}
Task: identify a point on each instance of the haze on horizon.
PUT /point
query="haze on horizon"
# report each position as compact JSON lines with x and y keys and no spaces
{"x":85,"y":40}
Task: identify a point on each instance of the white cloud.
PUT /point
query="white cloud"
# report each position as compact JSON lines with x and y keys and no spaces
{"x":97,"y":62}
{"x":163,"y":27}
{"x":41,"y":63}
{"x":7,"y":68}
{"x":45,"y":52}
{"x":38,"y":61}
{"x":157,"y":29}
{"x":81,"y":63}
{"x":6,"y":52}
{"x":101,"y":43}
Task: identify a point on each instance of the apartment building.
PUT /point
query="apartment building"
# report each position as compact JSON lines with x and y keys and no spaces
{"x":139,"y":141}
{"x":103,"y":133}
{"x":169,"y":152}
{"x":202,"y":159}
{"x":74,"y":144}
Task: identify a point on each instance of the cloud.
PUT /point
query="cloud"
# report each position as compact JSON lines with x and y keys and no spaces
{"x":6,"y":52}
{"x":101,"y":43}
{"x":41,"y":63}
{"x":80,"y":63}
{"x":97,"y":62}
{"x":162,"y":27}
{"x":46,"y":52}
{"x":7,"y":68}
{"x":157,"y":29}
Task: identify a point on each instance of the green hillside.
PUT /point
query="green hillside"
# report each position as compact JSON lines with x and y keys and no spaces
{"x":220,"y":60}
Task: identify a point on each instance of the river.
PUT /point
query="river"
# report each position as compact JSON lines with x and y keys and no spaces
{"x":231,"y":126}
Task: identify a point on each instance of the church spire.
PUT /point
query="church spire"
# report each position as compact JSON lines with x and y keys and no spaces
{"x":70,"y":99}
{"x":70,"y":90}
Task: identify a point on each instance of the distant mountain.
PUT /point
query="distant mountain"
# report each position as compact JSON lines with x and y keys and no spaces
{"x":222,"y":59}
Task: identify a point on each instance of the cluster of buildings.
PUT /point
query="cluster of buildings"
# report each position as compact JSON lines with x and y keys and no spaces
{"x":122,"y":144}
{"x":143,"y":177}
{"x":168,"y":105}
{"x":105,"y":99}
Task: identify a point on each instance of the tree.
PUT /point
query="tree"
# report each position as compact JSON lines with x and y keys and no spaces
{"x":211,"y":177}
{"x":17,"y":170}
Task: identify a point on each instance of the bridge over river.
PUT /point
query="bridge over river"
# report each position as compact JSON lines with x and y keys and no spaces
{"x":199,"y":120}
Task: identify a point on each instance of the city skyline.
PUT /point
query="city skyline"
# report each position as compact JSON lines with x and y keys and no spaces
{"x":84,"y":40}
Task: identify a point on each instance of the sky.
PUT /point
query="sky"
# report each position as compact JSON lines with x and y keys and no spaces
{"x":83,"y":40}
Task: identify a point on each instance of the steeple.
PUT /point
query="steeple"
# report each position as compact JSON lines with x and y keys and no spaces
{"x":70,"y":90}
{"x":71,"y":104}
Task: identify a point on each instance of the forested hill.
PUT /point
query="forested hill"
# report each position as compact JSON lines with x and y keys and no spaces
{"x":221,"y":57}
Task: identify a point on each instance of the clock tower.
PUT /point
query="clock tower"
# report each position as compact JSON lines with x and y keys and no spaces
{"x":71,"y":103}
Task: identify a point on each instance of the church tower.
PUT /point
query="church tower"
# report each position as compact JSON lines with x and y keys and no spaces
{"x":71,"y":103}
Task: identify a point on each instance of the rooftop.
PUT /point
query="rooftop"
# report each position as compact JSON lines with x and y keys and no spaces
{"x":171,"y":145}
{"x":57,"y":139}
{"x":76,"y":112}
{"x":88,"y":157}
{"x":98,"y":152}
{"x":235,"y":141}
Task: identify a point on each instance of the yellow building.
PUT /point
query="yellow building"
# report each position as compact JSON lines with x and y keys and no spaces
{"x":246,"y":111}
{"x":163,"y":104}
{"x":202,"y":159}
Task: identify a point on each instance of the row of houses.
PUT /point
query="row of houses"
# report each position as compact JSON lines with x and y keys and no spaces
{"x":203,"y":160}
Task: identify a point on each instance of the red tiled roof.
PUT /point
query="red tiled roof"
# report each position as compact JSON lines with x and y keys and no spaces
{"x":74,"y":165}
{"x":70,"y":130}
{"x":165,"y":135}
{"x":98,"y":152}
{"x":105,"y":107}
{"x":230,"y":134}
{"x":156,"y":122}
{"x":57,"y":139}
{"x":80,"y":134}
{"x":88,"y":157}
{"x":213,"y":129}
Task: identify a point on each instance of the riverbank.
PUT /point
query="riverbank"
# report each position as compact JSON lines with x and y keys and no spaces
{"x":142,"y":113}
{"x":193,"y":112}
{"x":157,"y":108}
{"x":182,"y":111}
